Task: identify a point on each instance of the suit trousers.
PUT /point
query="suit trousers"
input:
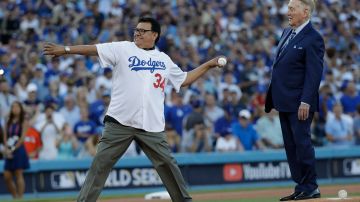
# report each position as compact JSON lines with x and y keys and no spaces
{"x":115,"y":140}
{"x":299,"y":150}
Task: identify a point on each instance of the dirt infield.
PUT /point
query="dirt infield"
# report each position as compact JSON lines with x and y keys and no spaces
{"x":327,"y":191}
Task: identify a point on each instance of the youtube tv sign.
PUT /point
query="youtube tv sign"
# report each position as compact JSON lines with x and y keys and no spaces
{"x":262,"y":171}
{"x":233,"y":172}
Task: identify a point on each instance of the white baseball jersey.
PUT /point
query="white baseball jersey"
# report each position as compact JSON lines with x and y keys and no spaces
{"x":139,"y":79}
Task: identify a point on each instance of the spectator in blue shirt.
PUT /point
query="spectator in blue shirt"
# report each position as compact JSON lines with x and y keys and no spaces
{"x":224,"y":122}
{"x":326,"y":101}
{"x":350,"y":99}
{"x":98,"y":108}
{"x":177,"y":112}
{"x":338,"y":128}
{"x":246,"y":133}
{"x":84,"y":128}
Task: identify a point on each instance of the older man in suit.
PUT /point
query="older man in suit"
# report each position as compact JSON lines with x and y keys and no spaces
{"x":296,"y":75}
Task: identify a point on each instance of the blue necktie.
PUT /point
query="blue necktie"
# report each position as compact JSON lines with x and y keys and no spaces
{"x":292,"y":35}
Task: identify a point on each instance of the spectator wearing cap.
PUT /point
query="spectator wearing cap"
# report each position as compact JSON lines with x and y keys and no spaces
{"x":269,"y":129}
{"x":32,"y":103}
{"x":227,"y":142}
{"x":246,"y":133}
{"x":236,"y":103}
{"x":6,"y":98}
{"x":224,"y":122}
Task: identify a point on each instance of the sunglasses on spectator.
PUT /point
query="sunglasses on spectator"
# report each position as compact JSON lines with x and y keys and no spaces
{"x":142,"y":31}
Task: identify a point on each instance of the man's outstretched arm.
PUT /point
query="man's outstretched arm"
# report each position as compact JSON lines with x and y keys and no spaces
{"x":196,"y":73}
{"x":59,"y":50}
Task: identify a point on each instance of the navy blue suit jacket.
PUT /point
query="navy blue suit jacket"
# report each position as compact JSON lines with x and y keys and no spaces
{"x":297,"y":72}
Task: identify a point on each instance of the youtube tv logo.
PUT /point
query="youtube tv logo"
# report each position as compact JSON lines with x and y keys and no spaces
{"x":233,"y":172}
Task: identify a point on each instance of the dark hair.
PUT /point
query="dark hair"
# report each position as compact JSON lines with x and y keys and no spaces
{"x":11,"y":115}
{"x":49,"y":104}
{"x":155,"y":26}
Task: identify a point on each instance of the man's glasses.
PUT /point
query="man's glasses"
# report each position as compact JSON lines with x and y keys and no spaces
{"x":141,"y":31}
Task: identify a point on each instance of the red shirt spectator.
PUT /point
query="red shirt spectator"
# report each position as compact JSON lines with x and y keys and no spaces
{"x":33,"y":143}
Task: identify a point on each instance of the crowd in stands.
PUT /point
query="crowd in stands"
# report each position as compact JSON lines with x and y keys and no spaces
{"x":66,"y":98}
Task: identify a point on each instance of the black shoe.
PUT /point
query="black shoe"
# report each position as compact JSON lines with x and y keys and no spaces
{"x":308,"y":195}
{"x":290,"y":197}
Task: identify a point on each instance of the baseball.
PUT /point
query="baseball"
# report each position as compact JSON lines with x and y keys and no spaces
{"x":342,"y":194}
{"x":222,"y":61}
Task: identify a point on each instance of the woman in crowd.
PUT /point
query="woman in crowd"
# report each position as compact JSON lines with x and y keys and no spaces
{"x":67,"y":144}
{"x":16,"y":159}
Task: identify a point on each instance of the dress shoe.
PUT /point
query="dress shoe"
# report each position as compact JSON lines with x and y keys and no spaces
{"x":290,"y":197}
{"x":308,"y":195}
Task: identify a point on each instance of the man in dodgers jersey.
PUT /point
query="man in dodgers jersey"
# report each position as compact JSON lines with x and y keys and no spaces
{"x":136,"y":110}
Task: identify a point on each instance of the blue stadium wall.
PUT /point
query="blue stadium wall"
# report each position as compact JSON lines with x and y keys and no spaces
{"x":216,"y":170}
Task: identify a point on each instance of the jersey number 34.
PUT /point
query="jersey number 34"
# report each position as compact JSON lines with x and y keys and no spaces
{"x":160,"y":82}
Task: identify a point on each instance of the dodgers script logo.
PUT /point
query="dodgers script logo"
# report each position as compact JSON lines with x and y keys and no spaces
{"x":137,"y":64}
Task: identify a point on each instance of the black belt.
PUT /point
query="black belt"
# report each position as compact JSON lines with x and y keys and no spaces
{"x":108,"y":118}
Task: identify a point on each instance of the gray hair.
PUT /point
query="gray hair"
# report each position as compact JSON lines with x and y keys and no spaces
{"x":311,"y":4}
